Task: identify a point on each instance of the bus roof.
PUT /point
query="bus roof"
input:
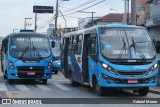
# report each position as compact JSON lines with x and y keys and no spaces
{"x":26,"y":30}
{"x":28,"y":34}
{"x":97,"y":26}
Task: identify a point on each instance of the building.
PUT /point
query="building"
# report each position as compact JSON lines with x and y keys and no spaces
{"x":141,"y":12}
{"x":153,"y":19}
{"x":83,"y":22}
{"x":107,"y":19}
{"x":148,"y":14}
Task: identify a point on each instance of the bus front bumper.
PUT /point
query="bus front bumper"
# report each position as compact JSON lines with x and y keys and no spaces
{"x":121,"y":82}
{"x":14,"y":74}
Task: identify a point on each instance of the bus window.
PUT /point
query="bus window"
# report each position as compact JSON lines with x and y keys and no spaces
{"x":93,"y":46}
{"x":79,"y":43}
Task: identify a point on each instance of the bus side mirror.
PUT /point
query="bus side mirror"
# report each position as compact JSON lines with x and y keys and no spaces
{"x":53,"y":44}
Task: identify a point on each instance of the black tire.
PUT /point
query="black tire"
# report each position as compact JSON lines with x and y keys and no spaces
{"x":4,"y":76}
{"x":72,"y":82}
{"x":56,"y":71}
{"x":44,"y":81}
{"x":10,"y":81}
{"x":143,"y":91}
{"x":98,"y":89}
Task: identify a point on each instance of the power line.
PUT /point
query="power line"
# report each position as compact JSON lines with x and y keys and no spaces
{"x":51,"y":19}
{"x":81,"y":5}
{"x":85,"y":8}
{"x":46,"y":22}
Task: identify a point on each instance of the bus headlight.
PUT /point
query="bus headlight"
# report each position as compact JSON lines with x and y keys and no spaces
{"x":108,"y":68}
{"x":152,"y":69}
{"x":11,"y":65}
{"x":49,"y":65}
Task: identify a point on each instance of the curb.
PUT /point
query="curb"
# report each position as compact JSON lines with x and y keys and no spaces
{"x":155,"y":92}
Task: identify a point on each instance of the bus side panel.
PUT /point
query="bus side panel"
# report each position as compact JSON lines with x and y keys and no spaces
{"x":92,"y":68}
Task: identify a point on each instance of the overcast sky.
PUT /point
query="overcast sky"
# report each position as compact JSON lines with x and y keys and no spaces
{"x":13,"y":12}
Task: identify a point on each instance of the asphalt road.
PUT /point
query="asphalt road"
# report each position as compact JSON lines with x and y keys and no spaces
{"x":59,"y":87}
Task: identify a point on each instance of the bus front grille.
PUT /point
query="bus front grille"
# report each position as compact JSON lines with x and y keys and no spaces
{"x":30,"y":68}
{"x":131,"y":73}
{"x":23,"y":71}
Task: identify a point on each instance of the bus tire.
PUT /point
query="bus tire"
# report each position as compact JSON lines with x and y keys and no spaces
{"x":143,"y":91}
{"x":98,"y":89}
{"x":10,"y":81}
{"x":44,"y":81}
{"x":4,"y":76}
{"x":56,"y":71}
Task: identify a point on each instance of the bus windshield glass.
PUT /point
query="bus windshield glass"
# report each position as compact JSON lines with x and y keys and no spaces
{"x":126,"y":43}
{"x":29,"y":47}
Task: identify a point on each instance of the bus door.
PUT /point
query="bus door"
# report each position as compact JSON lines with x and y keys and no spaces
{"x":92,"y":55}
{"x":4,"y":55}
{"x":64,"y":56}
{"x":76,"y":57}
{"x":89,"y":58}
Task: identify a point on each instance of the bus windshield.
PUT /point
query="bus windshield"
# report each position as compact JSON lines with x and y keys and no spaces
{"x":126,"y":43}
{"x":29,"y":47}
{"x":56,"y":50}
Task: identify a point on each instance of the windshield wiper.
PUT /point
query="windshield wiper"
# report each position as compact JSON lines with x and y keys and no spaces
{"x":123,"y":47}
{"x":134,"y":45}
{"x":24,"y":52}
{"x":39,"y":55}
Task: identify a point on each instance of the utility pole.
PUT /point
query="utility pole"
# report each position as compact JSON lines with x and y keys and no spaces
{"x":56,"y":16}
{"x":88,"y":12}
{"x":133,"y":12}
{"x":25,"y":20}
{"x":14,"y":30}
{"x":35,"y":27}
{"x":65,"y":22}
{"x":126,"y":12}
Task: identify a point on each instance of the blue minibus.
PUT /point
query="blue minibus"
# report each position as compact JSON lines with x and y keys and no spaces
{"x":56,"y":65}
{"x":26,"y":55}
{"x":110,"y":56}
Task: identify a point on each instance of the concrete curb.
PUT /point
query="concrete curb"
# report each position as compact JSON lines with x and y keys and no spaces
{"x":155,"y":92}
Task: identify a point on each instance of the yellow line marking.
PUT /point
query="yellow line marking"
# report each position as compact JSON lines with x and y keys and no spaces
{"x":9,"y":94}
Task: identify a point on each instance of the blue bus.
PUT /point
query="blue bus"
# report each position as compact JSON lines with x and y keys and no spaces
{"x":110,"y":56}
{"x":26,"y":55}
{"x":57,"y":56}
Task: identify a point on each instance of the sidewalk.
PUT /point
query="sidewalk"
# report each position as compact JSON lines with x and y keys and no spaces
{"x":155,"y":90}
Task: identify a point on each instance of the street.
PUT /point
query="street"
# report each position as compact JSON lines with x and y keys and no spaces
{"x":59,"y":87}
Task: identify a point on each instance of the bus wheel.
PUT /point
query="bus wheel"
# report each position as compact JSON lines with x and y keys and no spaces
{"x":4,"y":76}
{"x":10,"y":81}
{"x":98,"y":89}
{"x":56,"y":71}
{"x":44,"y":81}
{"x":72,"y":82}
{"x":143,"y":91}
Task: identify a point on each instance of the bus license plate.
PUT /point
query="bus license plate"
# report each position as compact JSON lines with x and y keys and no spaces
{"x":132,"y":81}
{"x":30,"y":73}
